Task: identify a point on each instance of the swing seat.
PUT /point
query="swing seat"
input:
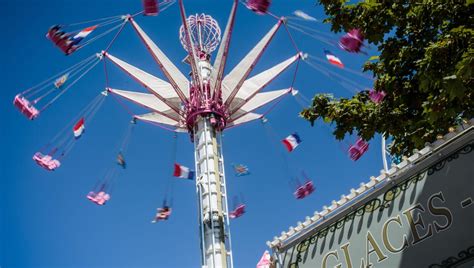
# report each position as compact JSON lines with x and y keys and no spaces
{"x":150,"y":7}
{"x":350,"y":44}
{"x":162,"y":215}
{"x":237,"y":212}
{"x":358,"y":149}
{"x":354,"y":153}
{"x":91,"y":196}
{"x":59,"y":38}
{"x":304,"y":190}
{"x":46,"y":161}
{"x":63,"y":42}
{"x":54,"y":34}
{"x":376,"y":96}
{"x":258,"y":6}
{"x":100,"y":198}
{"x":352,"y":41}
{"x":363,"y":145}
{"x":25,"y":107}
{"x":66,"y":46}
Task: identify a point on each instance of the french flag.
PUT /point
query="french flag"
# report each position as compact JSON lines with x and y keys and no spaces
{"x":333,"y":59}
{"x":291,"y":142}
{"x":84,"y":33}
{"x":183,"y":172}
{"x":79,"y":128}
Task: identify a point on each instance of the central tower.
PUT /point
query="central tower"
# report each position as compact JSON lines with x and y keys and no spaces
{"x":211,"y":194}
{"x":205,"y":120}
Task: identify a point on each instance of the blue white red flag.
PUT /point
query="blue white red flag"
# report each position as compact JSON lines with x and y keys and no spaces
{"x":83,"y":34}
{"x":183,"y":172}
{"x":291,"y":142}
{"x":79,"y":128}
{"x":61,"y":80}
{"x":333,"y":59}
{"x":241,"y":170}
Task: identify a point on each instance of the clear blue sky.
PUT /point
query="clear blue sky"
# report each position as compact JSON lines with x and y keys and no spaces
{"x":45,"y":218}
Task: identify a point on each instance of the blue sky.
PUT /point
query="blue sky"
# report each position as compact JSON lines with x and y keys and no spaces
{"x":45,"y":219}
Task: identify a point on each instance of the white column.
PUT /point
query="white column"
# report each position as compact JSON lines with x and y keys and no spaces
{"x":384,"y":153}
{"x":212,"y":200}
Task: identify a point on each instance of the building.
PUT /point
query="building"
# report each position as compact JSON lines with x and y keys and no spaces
{"x":418,"y":214}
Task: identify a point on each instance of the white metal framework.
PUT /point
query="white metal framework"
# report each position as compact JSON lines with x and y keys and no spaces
{"x":212,"y":196}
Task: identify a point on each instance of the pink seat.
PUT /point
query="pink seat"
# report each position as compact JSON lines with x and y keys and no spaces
{"x":237,"y":212}
{"x":91,"y":196}
{"x":258,"y":6}
{"x":352,"y":41}
{"x":309,"y":187}
{"x":150,"y":7}
{"x":363,"y":145}
{"x":100,"y":198}
{"x":358,"y":149}
{"x":46,"y":161}
{"x":25,"y":107}
{"x":376,"y":96}
{"x":354,"y":153}
{"x":304,"y":190}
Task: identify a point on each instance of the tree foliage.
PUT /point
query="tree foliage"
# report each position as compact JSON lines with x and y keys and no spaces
{"x":425,"y":66}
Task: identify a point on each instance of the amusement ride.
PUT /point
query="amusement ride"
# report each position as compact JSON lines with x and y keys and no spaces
{"x":203,"y":104}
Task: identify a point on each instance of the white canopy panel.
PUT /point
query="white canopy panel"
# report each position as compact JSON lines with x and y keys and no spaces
{"x":161,"y":119}
{"x":178,"y":80}
{"x":245,"y":66}
{"x":146,"y":100}
{"x":155,"y":85}
{"x":259,"y":81}
{"x":244,"y":119}
{"x":263,"y":98}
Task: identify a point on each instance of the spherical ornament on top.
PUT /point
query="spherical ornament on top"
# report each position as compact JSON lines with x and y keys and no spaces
{"x":205,"y":33}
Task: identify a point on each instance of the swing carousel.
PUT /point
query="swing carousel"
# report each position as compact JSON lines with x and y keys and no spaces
{"x":203,"y":104}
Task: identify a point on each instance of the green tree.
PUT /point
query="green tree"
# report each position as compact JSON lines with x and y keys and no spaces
{"x":425,"y":66}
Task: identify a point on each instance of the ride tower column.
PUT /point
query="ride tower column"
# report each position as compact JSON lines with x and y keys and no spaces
{"x":212,"y":197}
{"x":206,"y":120}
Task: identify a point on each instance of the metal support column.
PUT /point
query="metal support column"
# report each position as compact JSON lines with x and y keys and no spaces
{"x":211,"y":192}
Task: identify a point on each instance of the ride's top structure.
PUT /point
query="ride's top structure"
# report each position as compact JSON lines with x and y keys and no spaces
{"x":204,"y":105}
